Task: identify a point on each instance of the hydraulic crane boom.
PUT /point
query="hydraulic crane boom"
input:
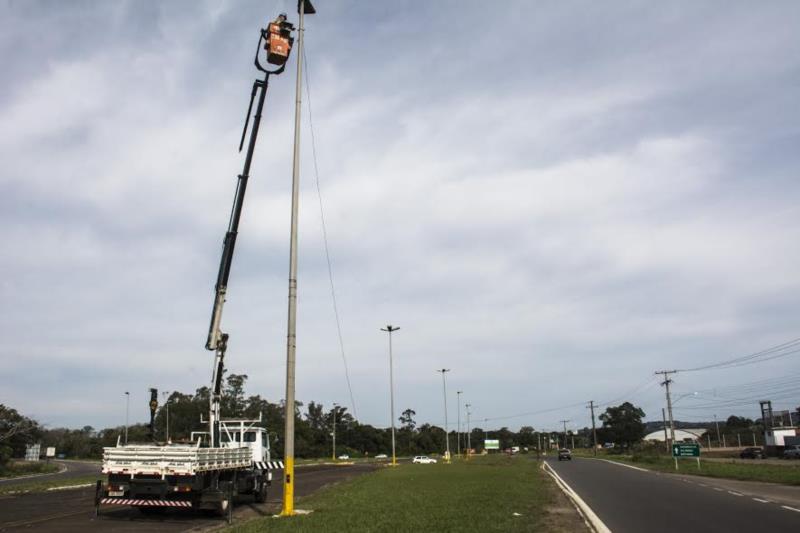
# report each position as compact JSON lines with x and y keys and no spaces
{"x":277,"y":43}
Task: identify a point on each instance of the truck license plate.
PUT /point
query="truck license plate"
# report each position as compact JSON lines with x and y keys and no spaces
{"x":116,"y":493}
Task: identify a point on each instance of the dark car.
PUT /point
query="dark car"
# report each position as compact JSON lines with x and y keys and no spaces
{"x":752,"y":453}
{"x":564,"y":455}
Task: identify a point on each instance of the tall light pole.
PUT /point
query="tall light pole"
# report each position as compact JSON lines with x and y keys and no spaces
{"x":303,"y":7}
{"x":127,"y":410}
{"x":444,"y":371}
{"x":469,"y":442}
{"x":716,"y":423}
{"x":458,"y":433}
{"x":485,"y":431}
{"x":165,"y":394}
{"x":333,"y":453}
{"x":389,"y":329}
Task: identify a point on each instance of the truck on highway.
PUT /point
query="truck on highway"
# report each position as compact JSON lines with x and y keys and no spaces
{"x":233,"y":456}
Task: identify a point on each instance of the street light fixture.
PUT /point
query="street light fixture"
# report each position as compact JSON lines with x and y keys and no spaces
{"x":389,"y":329}
{"x":444,"y":390}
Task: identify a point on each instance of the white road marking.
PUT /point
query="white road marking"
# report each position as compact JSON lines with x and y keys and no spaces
{"x":626,"y":466}
{"x":69,"y":487}
{"x":735,"y":493}
{"x":760,"y":500}
{"x":718,"y":489}
{"x":791,"y":508}
{"x":589,"y":516}
{"x":702,"y":484}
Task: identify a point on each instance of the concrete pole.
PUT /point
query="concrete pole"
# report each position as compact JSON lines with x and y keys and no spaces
{"x":708,"y":436}
{"x":333,"y":453}
{"x":127,"y":410}
{"x":565,"y":431}
{"x":389,"y":329}
{"x":716,"y":423}
{"x":469,"y":441}
{"x":754,"y":439}
{"x":666,"y":383}
{"x":291,"y":330}
{"x":664,"y":417}
{"x":446,"y":427}
{"x":458,"y":438}
{"x":723,"y":441}
{"x":594,"y":430}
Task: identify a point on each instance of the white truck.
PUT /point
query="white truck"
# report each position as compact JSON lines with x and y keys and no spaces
{"x":234,"y":459}
{"x":153,"y":477}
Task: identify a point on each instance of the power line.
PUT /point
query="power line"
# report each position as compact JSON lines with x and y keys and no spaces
{"x":325,"y":239}
{"x":768,"y":354}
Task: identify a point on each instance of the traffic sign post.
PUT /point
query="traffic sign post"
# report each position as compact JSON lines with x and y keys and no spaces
{"x":686,"y":450}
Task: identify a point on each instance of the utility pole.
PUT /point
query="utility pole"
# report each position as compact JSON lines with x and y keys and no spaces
{"x":485,"y":431}
{"x":594,"y":429}
{"x":127,"y":410}
{"x":716,"y":423}
{"x":389,"y":329}
{"x":666,"y":383}
{"x":458,"y":439}
{"x":444,"y":391}
{"x":333,"y":453}
{"x":469,"y":442}
{"x":565,"y":431}
{"x":303,"y":7}
{"x":664,"y":418}
{"x":165,"y":394}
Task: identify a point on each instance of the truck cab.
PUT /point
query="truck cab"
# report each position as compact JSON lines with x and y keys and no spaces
{"x":242,"y":433}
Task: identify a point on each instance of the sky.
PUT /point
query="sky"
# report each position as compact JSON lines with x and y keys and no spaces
{"x":553,"y":200}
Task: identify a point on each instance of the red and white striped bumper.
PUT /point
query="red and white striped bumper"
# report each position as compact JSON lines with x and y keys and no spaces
{"x":142,"y":503}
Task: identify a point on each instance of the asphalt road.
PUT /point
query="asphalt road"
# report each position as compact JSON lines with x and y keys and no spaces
{"x":73,"y":510}
{"x":632,"y":500}
{"x":69,"y":470}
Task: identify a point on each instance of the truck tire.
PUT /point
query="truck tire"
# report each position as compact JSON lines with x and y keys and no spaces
{"x":260,"y":495}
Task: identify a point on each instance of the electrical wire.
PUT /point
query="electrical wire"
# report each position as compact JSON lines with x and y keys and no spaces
{"x":768,"y":354}
{"x":325,"y":238}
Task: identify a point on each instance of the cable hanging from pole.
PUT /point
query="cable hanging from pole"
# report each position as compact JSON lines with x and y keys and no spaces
{"x":325,"y":237}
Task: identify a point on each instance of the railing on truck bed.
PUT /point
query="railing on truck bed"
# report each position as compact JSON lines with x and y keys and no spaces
{"x":172,"y":460}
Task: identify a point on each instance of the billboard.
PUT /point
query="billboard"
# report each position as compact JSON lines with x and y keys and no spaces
{"x":492,"y":444}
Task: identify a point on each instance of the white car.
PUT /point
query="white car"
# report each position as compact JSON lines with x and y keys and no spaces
{"x":423,"y":460}
{"x":381,"y":456}
{"x":344,"y":457}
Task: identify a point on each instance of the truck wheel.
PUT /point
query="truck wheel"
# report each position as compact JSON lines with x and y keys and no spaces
{"x":260,"y":495}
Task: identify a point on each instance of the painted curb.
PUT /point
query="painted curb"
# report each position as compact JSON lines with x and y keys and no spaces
{"x":589,"y":517}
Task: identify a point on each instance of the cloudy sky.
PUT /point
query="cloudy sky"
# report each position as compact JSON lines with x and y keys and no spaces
{"x":554,"y":200}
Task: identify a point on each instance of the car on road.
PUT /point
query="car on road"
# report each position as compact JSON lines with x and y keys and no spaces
{"x":792,"y":452}
{"x":752,"y":453}
{"x":423,"y":460}
{"x":564,"y":455}
{"x":344,"y":457}
{"x":381,"y":456}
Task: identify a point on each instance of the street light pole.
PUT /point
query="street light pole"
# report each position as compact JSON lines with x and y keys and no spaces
{"x":716,"y":423}
{"x":165,"y":394}
{"x":446,"y":427}
{"x":485,"y":432}
{"x":303,"y":7}
{"x":469,"y":442}
{"x":333,"y":453}
{"x":127,"y":409}
{"x":389,"y":329}
{"x":458,"y":438}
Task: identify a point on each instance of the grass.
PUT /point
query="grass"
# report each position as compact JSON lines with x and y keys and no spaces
{"x":788,"y":474}
{"x":479,"y":495}
{"x":25,"y":468}
{"x":42,"y":486}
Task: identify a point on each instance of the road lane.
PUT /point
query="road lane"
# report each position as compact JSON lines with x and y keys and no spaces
{"x":630,"y":500}
{"x":69,"y":469}
{"x":73,"y":510}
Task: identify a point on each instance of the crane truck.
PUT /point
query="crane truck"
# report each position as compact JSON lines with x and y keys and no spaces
{"x":233,"y":455}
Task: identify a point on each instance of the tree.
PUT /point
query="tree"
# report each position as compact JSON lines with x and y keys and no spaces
{"x":738,"y":422}
{"x":407,"y":420}
{"x":623,"y":424}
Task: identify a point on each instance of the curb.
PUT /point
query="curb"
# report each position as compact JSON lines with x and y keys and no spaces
{"x":589,"y":517}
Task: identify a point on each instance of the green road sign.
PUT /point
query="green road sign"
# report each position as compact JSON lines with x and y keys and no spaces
{"x":491,"y":444}
{"x":686,"y":450}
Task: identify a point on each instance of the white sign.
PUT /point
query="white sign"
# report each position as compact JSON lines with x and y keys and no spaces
{"x":491,"y":444}
{"x":51,"y":451}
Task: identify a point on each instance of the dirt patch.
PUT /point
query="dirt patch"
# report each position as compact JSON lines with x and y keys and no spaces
{"x":561,"y":516}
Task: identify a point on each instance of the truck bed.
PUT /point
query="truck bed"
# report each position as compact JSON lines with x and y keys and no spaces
{"x":172,"y":460}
